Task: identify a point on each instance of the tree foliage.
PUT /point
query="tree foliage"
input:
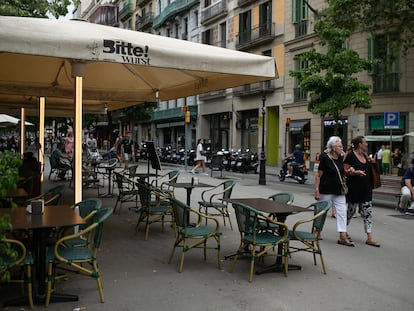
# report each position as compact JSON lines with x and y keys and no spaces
{"x":36,"y":8}
{"x":137,"y":113}
{"x":386,"y":17}
{"x":329,"y":76}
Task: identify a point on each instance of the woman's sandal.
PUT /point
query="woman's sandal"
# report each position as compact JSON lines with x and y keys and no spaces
{"x":373,"y":243}
{"x":346,"y":242}
{"x":349,"y":238}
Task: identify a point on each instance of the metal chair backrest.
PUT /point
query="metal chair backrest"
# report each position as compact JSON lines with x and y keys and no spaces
{"x":100,"y":216}
{"x":320,"y":210}
{"x":228,"y":186}
{"x":247,"y":219}
{"x":181,"y":212}
{"x":86,"y":207}
{"x":283,"y":197}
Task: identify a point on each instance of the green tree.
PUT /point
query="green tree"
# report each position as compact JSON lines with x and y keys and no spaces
{"x":389,"y":18}
{"x":137,"y":113}
{"x":36,"y":8}
{"x":329,"y":75}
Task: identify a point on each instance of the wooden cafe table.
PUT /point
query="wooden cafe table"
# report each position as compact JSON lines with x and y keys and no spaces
{"x":41,"y":225}
{"x":281,"y":211}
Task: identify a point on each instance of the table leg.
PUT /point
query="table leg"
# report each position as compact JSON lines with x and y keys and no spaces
{"x":278,"y":266}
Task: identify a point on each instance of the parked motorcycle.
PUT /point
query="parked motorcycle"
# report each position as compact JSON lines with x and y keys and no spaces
{"x":299,"y":172}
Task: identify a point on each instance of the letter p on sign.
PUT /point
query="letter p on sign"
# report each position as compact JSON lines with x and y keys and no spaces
{"x":391,"y":120}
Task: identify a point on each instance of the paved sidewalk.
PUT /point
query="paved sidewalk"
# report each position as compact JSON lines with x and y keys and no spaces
{"x":136,"y":275}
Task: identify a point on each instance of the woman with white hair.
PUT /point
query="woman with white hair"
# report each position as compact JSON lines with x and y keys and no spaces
{"x":328,"y":185}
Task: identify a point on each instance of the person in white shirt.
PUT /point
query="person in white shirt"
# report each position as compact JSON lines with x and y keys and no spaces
{"x":379,"y":157}
{"x":200,"y":157}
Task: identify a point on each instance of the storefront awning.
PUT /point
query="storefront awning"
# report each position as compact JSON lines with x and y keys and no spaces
{"x":383,"y":138}
{"x":297,"y":126}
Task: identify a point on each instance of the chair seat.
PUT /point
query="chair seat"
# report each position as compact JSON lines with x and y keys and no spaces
{"x":303,"y":235}
{"x":263,"y":238}
{"x":76,"y":242}
{"x":8,"y":262}
{"x":211,"y":204}
{"x":160,"y":209}
{"x":71,"y":254}
{"x":198,"y":231}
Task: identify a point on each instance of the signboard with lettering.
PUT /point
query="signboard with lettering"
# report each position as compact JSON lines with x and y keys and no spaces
{"x":391,"y":120}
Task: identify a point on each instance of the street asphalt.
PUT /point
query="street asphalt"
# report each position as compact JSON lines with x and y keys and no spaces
{"x":136,"y":275}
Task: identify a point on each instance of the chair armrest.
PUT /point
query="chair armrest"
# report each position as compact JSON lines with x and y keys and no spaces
{"x":277,"y":225}
{"x":303,"y":221}
{"x":207,"y":192}
{"x":203,"y":218}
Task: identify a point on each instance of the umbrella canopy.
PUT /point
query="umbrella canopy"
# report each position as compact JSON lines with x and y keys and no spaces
{"x":77,"y":66}
{"x":6,"y":119}
{"x":121,"y":67}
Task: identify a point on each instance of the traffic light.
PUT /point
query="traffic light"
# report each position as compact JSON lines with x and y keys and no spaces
{"x":287,"y":122}
{"x":184,"y":108}
{"x":187,"y":117}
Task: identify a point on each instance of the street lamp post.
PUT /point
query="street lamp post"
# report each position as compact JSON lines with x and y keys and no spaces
{"x":262,"y":173}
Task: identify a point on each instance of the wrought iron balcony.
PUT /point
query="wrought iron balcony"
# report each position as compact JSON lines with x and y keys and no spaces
{"x":254,"y":88}
{"x":144,"y":21}
{"x":126,"y":12}
{"x":213,"y":95}
{"x":214,"y":11}
{"x":243,"y":3}
{"x":258,"y":35}
{"x":301,"y":29}
{"x":141,"y":3}
{"x":386,"y":83}
{"x":172,"y":10}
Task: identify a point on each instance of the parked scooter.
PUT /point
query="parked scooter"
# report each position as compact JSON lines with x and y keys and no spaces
{"x":299,"y":172}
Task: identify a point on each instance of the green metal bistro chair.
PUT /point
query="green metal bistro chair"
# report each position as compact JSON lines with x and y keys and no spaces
{"x":20,"y":259}
{"x":283,"y":197}
{"x":213,"y":201}
{"x":87,"y":209}
{"x":53,"y":196}
{"x":78,"y":257}
{"x":193,"y":236}
{"x":127,"y":191}
{"x":310,"y":240}
{"x":164,"y":180}
{"x":154,"y":208}
{"x":260,"y":243}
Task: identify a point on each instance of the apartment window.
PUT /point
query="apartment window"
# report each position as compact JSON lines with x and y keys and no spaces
{"x":265,"y":18}
{"x":207,"y":3}
{"x":143,"y":12}
{"x":176,"y":31}
{"x":385,"y":74}
{"x":186,"y":25}
{"x":245,"y":27}
{"x":207,"y":37}
{"x":298,"y":93}
{"x":195,"y":19}
{"x":223,"y":35}
{"x":300,"y":17}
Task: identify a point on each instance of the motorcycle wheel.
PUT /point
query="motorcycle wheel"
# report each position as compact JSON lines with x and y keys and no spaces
{"x":282,"y":176}
{"x":302,"y":181}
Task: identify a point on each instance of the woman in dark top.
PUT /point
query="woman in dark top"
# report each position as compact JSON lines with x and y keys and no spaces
{"x":358,"y":170}
{"x":328,"y":185}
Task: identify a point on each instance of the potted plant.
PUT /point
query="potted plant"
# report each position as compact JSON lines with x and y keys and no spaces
{"x":9,"y":176}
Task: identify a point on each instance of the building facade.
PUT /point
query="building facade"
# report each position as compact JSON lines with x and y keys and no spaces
{"x":233,"y":118}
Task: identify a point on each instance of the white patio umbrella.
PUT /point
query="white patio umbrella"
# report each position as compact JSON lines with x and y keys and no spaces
{"x":77,"y":65}
{"x":6,"y":119}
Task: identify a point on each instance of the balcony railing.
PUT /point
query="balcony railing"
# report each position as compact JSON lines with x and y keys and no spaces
{"x":258,"y":35}
{"x":144,"y":21}
{"x":213,"y":95}
{"x":141,"y":3}
{"x":103,"y":15}
{"x":126,"y":11}
{"x":386,"y":83}
{"x":213,"y":11}
{"x":301,"y":29}
{"x":172,"y":10}
{"x":254,"y":88}
{"x":243,"y":3}
{"x":299,"y":94}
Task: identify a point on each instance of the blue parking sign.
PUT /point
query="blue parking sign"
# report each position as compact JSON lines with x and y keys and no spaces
{"x":391,"y":120}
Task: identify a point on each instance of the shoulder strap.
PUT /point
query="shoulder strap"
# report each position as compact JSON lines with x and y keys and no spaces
{"x":337,"y":169}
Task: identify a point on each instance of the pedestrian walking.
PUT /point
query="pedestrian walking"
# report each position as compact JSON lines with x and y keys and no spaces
{"x":200,"y":157}
{"x":328,"y":181}
{"x":358,"y":171}
{"x":386,"y":160}
{"x":127,"y":149}
{"x":407,"y":191}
